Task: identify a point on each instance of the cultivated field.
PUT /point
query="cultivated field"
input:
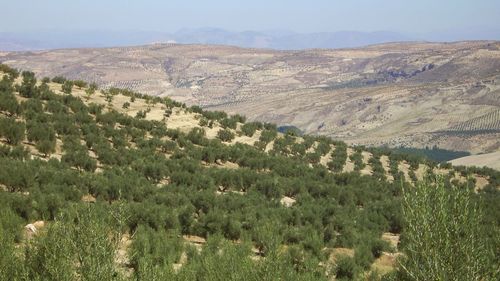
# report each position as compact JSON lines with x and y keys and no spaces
{"x":402,"y":94}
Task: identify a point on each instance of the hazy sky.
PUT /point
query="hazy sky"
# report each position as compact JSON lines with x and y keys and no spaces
{"x":303,"y":16}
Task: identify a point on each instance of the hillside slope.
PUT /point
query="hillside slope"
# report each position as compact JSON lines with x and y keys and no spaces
{"x":491,"y":160}
{"x":401,"y":94}
{"x":160,"y":190}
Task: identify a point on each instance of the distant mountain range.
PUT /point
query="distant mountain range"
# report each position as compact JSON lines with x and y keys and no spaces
{"x":287,"y":40}
{"x":281,"y":40}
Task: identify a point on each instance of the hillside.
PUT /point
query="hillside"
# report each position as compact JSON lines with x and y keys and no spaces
{"x":491,"y":160}
{"x":283,"y":40}
{"x":401,"y":94}
{"x":155,"y":190}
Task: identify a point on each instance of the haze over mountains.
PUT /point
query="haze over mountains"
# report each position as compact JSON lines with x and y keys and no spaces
{"x":274,"y":39}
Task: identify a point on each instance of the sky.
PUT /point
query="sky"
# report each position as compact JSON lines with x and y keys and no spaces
{"x":306,"y":16}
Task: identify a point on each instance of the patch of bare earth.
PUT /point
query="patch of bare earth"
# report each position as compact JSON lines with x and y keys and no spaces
{"x":367,"y":170}
{"x":384,"y":159}
{"x":349,"y":165}
{"x":122,"y":259}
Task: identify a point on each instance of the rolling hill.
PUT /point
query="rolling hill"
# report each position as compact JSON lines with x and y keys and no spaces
{"x":402,"y":94}
{"x":133,"y":187}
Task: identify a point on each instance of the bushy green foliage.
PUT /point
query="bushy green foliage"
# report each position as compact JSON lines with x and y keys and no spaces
{"x":434,"y":153}
{"x":59,"y":79}
{"x":197,"y":136}
{"x":80,"y":159}
{"x":377,"y":168}
{"x":212,"y":115}
{"x":357,"y":158}
{"x":12,"y":72}
{"x":27,"y":88}
{"x":155,"y":184}
{"x":268,"y":135}
{"x":225,"y":135}
{"x":12,"y":130}
{"x":249,"y":129}
{"x":444,"y":237}
{"x":141,"y":114}
{"x":346,"y":268}
{"x":43,"y":136}
{"x":92,"y":87}
{"x":229,"y":123}
{"x":67,"y":87}
{"x":339,"y":156}
{"x":323,"y":146}
{"x":8,"y":103}
{"x":76,"y":246}
{"x":10,"y":263}
{"x":80,"y":83}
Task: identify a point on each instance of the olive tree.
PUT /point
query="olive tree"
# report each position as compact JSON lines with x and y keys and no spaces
{"x":67,"y":87}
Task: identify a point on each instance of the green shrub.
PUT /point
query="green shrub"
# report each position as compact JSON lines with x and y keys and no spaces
{"x":67,"y":87}
{"x":229,"y":123}
{"x":8,"y":103}
{"x":444,"y":237}
{"x":268,"y":135}
{"x":339,"y":156}
{"x":59,"y":79}
{"x":90,"y":90}
{"x":197,"y":136}
{"x":225,"y":135}
{"x":249,"y":129}
{"x":12,"y":72}
{"x":50,"y":256}
{"x":12,"y":130}
{"x":28,"y":88}
{"x":80,"y":83}
{"x":79,"y":246}
{"x":357,"y":158}
{"x":79,"y":159}
{"x":345,"y":268}
{"x":46,"y":146}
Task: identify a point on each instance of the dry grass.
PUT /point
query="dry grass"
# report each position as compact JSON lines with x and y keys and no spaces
{"x":404,"y":167}
{"x":385,"y":263}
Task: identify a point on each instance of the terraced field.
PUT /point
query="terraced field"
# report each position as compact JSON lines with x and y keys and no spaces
{"x":489,"y":122}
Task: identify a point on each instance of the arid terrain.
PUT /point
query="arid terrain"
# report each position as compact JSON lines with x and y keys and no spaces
{"x":491,"y":160}
{"x":401,"y":94}
{"x":178,"y":134}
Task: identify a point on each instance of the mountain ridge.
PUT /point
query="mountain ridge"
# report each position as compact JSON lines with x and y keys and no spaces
{"x":272,"y":39}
